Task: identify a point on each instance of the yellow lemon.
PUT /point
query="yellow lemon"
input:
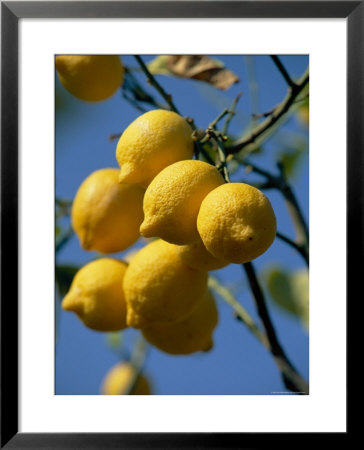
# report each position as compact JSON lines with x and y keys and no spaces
{"x":236,"y":222}
{"x":173,"y":199}
{"x":153,"y":141}
{"x":119,"y":379}
{"x":195,"y":255}
{"x":190,"y":335}
{"x":106,"y":215}
{"x":159,"y":288}
{"x":90,"y":77}
{"x":96,"y":295}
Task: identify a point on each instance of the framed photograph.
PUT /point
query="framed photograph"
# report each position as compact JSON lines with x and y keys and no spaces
{"x":217,"y":136}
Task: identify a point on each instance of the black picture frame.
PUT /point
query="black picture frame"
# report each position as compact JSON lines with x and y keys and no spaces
{"x":11,"y":13}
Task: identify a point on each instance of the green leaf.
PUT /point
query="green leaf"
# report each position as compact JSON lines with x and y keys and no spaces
{"x":291,"y":160}
{"x":290,"y":291}
{"x":64,"y":277}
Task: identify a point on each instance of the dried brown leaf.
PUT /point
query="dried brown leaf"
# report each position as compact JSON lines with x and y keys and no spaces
{"x":196,"y":67}
{"x":202,"y":68}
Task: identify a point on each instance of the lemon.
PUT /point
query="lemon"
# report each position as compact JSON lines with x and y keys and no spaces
{"x":153,"y":141}
{"x":236,"y":222}
{"x":96,"y":295}
{"x":195,"y":255}
{"x":173,"y":199}
{"x":190,"y":335}
{"x":119,"y":379}
{"x":159,"y":288}
{"x":90,"y":77}
{"x":106,"y":215}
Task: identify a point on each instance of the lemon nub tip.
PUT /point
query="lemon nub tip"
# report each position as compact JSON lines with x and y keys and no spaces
{"x":147,"y":230}
{"x":209,"y":346}
{"x":71,"y":304}
{"x":85,"y":241}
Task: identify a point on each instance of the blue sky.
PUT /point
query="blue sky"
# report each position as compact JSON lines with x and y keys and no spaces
{"x":238,"y":363}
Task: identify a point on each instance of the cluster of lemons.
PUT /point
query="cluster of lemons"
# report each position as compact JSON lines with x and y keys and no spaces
{"x":201,"y":222}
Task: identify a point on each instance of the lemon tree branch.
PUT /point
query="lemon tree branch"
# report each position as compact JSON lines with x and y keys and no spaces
{"x":231,"y":113}
{"x":273,"y":118}
{"x":222,"y":156}
{"x":298,"y":247}
{"x":151,"y":79}
{"x":288,"y":373}
{"x":283,"y":70}
{"x":291,"y":378}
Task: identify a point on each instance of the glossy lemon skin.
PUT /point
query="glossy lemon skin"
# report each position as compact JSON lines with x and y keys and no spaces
{"x":92,"y":78}
{"x":152,"y":142}
{"x":236,"y":222}
{"x":106,"y":215}
{"x":173,"y":199}
{"x":96,"y":295}
{"x":159,"y":288}
{"x":191,"y":335}
{"x":117,"y":381}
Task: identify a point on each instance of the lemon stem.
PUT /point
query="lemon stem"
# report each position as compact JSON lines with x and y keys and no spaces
{"x":222,"y":157}
{"x":291,"y":378}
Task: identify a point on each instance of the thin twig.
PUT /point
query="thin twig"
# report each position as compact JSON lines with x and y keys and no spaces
{"x":135,"y":93}
{"x":267,"y":124}
{"x":137,"y":360}
{"x":283,"y":70}
{"x":133,"y":103}
{"x":298,"y":247}
{"x":231,"y":113}
{"x":214,"y":123}
{"x":239,"y":309}
{"x":253,"y":84}
{"x":63,"y":239}
{"x":294,"y":208}
{"x":156,"y":85}
{"x":291,"y":378}
{"x":222,"y":157}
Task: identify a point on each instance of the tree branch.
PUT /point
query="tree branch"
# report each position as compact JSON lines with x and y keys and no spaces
{"x":278,"y":112}
{"x":156,"y":85}
{"x":283,"y":70}
{"x":231,"y":113}
{"x":298,"y":247}
{"x":291,"y":378}
{"x":239,"y":310}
